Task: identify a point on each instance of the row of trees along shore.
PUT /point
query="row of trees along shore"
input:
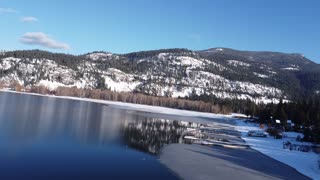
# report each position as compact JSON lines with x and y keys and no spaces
{"x":136,"y":98}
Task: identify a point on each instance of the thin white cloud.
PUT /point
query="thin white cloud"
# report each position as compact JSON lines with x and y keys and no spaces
{"x":42,"y":39}
{"x":7,"y":10}
{"x":29,"y":19}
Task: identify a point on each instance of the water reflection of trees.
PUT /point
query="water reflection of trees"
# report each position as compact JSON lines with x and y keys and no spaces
{"x":25,"y":118}
{"x":150,"y":135}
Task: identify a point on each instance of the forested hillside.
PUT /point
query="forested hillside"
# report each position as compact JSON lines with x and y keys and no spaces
{"x":221,"y":73}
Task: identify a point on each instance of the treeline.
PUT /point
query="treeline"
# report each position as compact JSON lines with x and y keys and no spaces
{"x":135,"y":98}
{"x":303,"y":112}
{"x":62,"y":59}
{"x":145,"y":54}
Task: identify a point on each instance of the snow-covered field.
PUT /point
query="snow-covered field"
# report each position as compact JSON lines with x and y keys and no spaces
{"x":304,"y":162}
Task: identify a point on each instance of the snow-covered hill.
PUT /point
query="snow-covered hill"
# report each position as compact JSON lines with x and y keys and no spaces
{"x":172,"y":73}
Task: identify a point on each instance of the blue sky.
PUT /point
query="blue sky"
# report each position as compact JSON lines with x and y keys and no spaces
{"x":122,"y":26}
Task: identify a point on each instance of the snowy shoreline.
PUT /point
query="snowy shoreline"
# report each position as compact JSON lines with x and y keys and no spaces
{"x":131,"y":106}
{"x":271,"y":147}
{"x":303,"y":162}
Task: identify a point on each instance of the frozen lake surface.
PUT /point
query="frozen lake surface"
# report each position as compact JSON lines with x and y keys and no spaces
{"x":50,"y":138}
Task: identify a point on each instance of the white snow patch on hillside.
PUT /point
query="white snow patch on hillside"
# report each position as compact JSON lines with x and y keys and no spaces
{"x":260,"y":75}
{"x":272,"y":72}
{"x":238,"y":63}
{"x":11,"y":78}
{"x":116,"y":80}
{"x":214,"y":50}
{"x":102,"y":56}
{"x":120,"y":86}
{"x":53,"y":85}
{"x":50,"y":85}
{"x":291,"y":69}
{"x":163,"y":56}
{"x":141,"y":60}
{"x":185,"y":92}
{"x":8,"y":62}
{"x":189,"y":61}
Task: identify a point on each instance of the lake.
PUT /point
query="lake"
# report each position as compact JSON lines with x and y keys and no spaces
{"x":53,"y":138}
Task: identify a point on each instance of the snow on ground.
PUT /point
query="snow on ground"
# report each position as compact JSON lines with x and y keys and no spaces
{"x":291,"y":69}
{"x":236,"y":63}
{"x":8,"y":62}
{"x":120,"y":86}
{"x":272,"y":72}
{"x":53,"y":85}
{"x":102,"y":55}
{"x":304,"y":162}
{"x":188,"y":61}
{"x":260,"y":75}
{"x":119,"y":81}
{"x":50,"y":85}
{"x":163,"y":56}
{"x":214,"y":50}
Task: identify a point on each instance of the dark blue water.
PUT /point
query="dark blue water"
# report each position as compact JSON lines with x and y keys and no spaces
{"x":49,"y":138}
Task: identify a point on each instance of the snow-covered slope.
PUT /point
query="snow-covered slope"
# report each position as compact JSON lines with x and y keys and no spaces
{"x":101,"y":56}
{"x":171,"y":73}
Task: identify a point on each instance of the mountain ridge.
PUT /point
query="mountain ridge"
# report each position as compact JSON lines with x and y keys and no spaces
{"x":186,"y":49}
